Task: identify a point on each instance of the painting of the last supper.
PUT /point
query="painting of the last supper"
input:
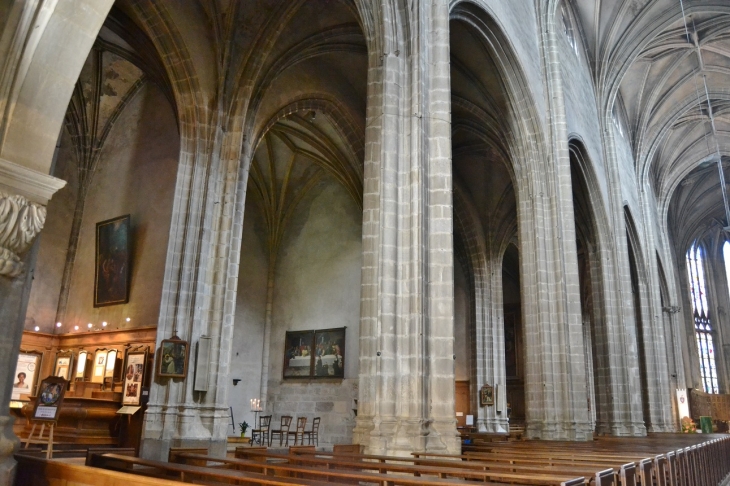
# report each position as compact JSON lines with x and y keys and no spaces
{"x":315,"y":354}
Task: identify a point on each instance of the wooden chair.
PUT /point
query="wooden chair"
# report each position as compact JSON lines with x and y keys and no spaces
{"x":312,"y":435}
{"x":299,"y":433}
{"x":282,"y":431}
{"x":574,"y":482}
{"x":261,"y":435}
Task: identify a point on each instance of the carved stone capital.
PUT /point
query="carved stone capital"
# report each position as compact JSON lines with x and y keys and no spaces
{"x":20,"y":222}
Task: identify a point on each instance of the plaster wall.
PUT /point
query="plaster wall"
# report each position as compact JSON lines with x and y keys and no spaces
{"x":581,"y":112}
{"x":53,"y":244}
{"x":518,"y":21}
{"x":136,"y":176}
{"x":627,"y":173}
{"x":318,"y":287}
{"x":248,"y":332}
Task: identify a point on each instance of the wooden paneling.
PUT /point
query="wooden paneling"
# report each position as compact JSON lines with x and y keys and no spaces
{"x":462,"y":402}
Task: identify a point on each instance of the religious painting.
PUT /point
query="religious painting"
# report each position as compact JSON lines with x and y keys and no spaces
{"x":173,"y":360}
{"x":298,"y":347}
{"x":329,"y":353}
{"x":99,"y":367}
{"x":26,"y":376}
{"x":133,"y":377}
{"x":50,"y":396}
{"x":486,"y":395}
{"x":315,"y":353}
{"x":81,"y":365}
{"x":62,"y":367}
{"x":111,"y":284}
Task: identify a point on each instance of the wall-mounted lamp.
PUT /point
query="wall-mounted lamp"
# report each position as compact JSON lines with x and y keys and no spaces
{"x":235,"y":381}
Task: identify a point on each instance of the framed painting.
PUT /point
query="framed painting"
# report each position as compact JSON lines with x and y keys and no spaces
{"x":99,"y":366}
{"x":111,"y":282}
{"x":298,"y":347}
{"x":134,"y":370}
{"x":173,"y":360}
{"x":49,"y":400}
{"x":329,"y":353}
{"x":63,"y":365}
{"x":80,"y":373}
{"x":486,"y":395}
{"x":315,"y":354}
{"x":26,"y":375}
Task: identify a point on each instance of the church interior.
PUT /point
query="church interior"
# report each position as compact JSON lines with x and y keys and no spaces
{"x":378,"y":228}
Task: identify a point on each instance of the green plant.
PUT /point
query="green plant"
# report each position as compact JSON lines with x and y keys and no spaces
{"x":244,"y":426}
{"x":688,"y":426}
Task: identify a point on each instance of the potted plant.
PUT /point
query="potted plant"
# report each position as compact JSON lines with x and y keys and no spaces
{"x":244,"y":427}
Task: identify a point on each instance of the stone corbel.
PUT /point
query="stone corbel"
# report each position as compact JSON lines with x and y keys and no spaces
{"x":671,"y":309}
{"x":20,"y":222}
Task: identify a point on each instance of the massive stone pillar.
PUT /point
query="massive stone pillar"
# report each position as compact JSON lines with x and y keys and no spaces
{"x":23,"y":195}
{"x":43,"y":45}
{"x":406,"y":389}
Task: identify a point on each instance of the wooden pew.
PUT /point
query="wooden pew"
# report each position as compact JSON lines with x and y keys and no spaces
{"x":503,"y":466}
{"x":184,"y":472}
{"x":361,"y":463}
{"x":40,"y":471}
{"x":335,"y":475}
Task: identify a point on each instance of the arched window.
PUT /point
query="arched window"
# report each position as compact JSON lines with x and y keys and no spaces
{"x":568,"y":27}
{"x":703,"y":326}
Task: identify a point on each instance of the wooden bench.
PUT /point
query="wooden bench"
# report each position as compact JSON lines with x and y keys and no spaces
{"x":327,"y":474}
{"x":390,"y":465}
{"x":184,"y":472}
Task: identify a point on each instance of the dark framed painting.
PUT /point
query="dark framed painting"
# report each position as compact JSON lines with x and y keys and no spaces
{"x":298,"y":354}
{"x":49,"y":399}
{"x":134,"y":370}
{"x":173,"y":358}
{"x":26,"y":375}
{"x":486,"y":395}
{"x":111,"y":282}
{"x":315,"y":354}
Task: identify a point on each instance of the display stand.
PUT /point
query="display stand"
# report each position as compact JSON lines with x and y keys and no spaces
{"x":40,"y":440}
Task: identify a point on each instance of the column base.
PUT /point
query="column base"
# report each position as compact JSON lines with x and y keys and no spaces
{"x":545,"y":430}
{"x":9,"y":444}
{"x":401,"y":437}
{"x":631,"y":429}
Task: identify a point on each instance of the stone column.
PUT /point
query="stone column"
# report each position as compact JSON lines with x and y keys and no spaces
{"x":555,"y":372}
{"x":23,"y":195}
{"x":406,"y":388}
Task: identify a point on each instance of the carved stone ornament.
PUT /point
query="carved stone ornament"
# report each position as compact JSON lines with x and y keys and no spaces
{"x":20,"y":222}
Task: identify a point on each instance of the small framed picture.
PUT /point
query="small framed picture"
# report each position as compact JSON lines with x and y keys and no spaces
{"x":26,"y":375}
{"x":111,"y":362}
{"x":134,"y":371}
{"x":486,"y":395}
{"x":50,"y":396}
{"x":99,"y":368}
{"x":173,"y":358}
{"x":80,"y":373}
{"x":63,"y":365}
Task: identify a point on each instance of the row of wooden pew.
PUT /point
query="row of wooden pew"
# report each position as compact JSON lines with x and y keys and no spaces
{"x":606,"y":461}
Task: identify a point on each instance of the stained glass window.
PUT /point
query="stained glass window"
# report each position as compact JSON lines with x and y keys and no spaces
{"x":703,"y":326}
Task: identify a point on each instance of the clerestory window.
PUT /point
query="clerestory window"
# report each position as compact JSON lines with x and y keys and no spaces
{"x":703,"y":324}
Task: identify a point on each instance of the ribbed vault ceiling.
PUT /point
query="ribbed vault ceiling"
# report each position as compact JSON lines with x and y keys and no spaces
{"x":644,"y":58}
